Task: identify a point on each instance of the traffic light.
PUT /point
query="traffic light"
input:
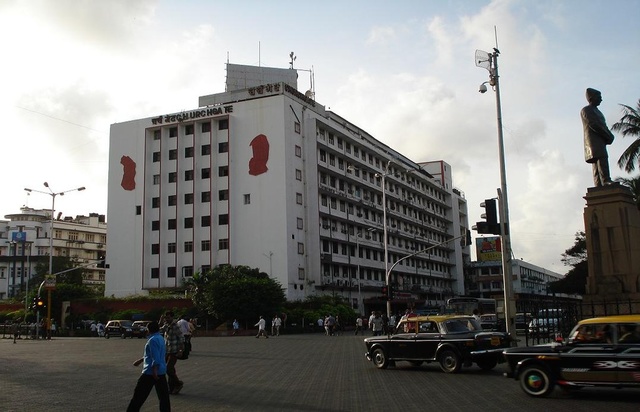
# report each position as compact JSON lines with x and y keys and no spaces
{"x":34,"y":303}
{"x":466,"y":240}
{"x":385,"y":291}
{"x":40,"y":303}
{"x":490,"y":225}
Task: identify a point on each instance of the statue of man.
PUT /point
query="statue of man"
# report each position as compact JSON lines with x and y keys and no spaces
{"x":596,"y":138}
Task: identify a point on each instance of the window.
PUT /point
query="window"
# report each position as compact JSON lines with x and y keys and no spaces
{"x":173,"y":132}
{"x":172,"y":224}
{"x":223,"y":171}
{"x":155,"y":249}
{"x":205,"y":245}
{"x":173,"y":177}
{"x":323,"y":156}
{"x":188,"y":198}
{"x":188,"y":222}
{"x":299,"y":198}
{"x":172,"y":200}
{"x":223,"y":219}
{"x":301,"y":274}
{"x":188,"y":129}
{"x":173,"y":154}
{"x":155,"y":202}
{"x":205,"y":197}
{"x":223,"y":244}
{"x":300,"y":223}
{"x":187,"y":271}
{"x":300,"y":248}
{"x":155,"y":225}
{"x":156,"y":134}
{"x":223,"y":194}
{"x":171,"y":272}
{"x":188,"y":246}
{"x":298,"y":151}
{"x":298,"y":174}
{"x":188,"y":175}
{"x":188,"y":151}
{"x":205,"y":150}
{"x":156,"y":179}
{"x":155,"y":273}
{"x":138,"y":210}
{"x":156,"y":156}
{"x":223,"y":124}
{"x":205,"y":173}
{"x":206,"y":127}
{"x":247,"y":199}
{"x":171,"y":247}
{"x":296,"y":127}
{"x":223,"y":147}
{"x":205,"y":221}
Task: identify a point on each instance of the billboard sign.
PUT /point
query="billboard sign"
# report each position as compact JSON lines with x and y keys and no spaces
{"x":489,"y":249}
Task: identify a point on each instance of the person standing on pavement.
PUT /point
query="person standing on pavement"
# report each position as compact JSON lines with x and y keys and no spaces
{"x":15,"y":329}
{"x":358,"y":324}
{"x":174,"y":342}
{"x":261,"y":325}
{"x":277,"y":322}
{"x":236,"y":327}
{"x":153,"y":372}
{"x":183,"y":323}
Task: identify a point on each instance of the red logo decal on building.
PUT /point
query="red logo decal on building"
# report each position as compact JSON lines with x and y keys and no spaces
{"x":129,"y":173}
{"x":258,"y":163}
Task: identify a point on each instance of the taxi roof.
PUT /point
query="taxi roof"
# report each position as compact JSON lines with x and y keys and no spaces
{"x":436,"y":318}
{"x":612,"y":319}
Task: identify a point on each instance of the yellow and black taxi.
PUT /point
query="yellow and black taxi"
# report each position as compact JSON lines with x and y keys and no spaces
{"x":603,"y":351}
{"x":452,"y":341}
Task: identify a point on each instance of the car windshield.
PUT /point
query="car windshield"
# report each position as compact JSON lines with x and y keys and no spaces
{"x":461,"y":325}
{"x":126,"y":323}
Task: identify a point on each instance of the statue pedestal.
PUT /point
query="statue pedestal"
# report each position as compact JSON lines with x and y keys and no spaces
{"x":612,"y":227}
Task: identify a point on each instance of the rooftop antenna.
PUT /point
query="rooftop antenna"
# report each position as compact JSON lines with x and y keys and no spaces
{"x":311,"y":93}
{"x":259,"y":60}
{"x":293,"y":58}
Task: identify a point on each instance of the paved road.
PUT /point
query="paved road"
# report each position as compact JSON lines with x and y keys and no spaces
{"x":287,"y":373}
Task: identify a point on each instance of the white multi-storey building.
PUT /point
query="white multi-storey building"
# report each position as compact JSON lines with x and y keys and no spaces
{"x":264,"y":176}
{"x":25,"y":242}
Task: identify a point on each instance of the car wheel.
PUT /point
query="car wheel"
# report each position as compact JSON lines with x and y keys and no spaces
{"x":536,"y":381}
{"x":106,"y":335}
{"x":487,"y":364}
{"x":123,"y":336}
{"x":380,"y":358}
{"x":449,"y":361}
{"x":416,"y":363}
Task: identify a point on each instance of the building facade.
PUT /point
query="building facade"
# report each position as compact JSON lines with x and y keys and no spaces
{"x":264,"y":176}
{"x":25,"y":242}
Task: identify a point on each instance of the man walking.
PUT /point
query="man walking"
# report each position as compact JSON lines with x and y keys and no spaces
{"x":183,"y":323}
{"x":261,"y":324}
{"x":153,"y":372}
{"x":174,"y":342}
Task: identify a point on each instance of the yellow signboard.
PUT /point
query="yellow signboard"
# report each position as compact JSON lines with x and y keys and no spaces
{"x":489,"y":249}
{"x":50,"y":282}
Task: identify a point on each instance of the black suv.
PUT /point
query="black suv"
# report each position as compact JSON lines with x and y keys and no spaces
{"x":122,"y":328}
{"x":452,"y":341}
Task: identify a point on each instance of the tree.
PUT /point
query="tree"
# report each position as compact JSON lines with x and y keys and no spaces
{"x":634,"y":185}
{"x":229,"y":292}
{"x":629,"y":125}
{"x":576,"y":278}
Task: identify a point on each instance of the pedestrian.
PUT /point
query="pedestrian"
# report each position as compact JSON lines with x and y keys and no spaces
{"x":94,"y":329}
{"x":370,"y":323}
{"x":153,"y":372}
{"x":236,"y":327}
{"x":377,"y":325}
{"x":100,"y":328}
{"x":15,"y":330}
{"x":358,"y":324}
{"x":183,"y":323}
{"x":175,"y":345}
{"x":261,"y":324}
{"x":277,"y":322}
{"x":54,"y":328}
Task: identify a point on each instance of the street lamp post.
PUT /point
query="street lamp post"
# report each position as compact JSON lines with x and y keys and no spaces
{"x":383,"y":177}
{"x":53,"y":206}
{"x":489,"y":61}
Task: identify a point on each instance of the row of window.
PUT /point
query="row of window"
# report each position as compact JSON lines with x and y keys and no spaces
{"x":205,"y":221}
{"x":205,"y":150}
{"x":205,"y":127}
{"x":205,"y":173}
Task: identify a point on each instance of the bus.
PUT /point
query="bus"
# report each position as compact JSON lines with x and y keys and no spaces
{"x":464,"y":305}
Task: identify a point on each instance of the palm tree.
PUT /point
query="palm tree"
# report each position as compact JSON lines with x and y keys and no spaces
{"x":634,"y":185}
{"x":629,"y":125}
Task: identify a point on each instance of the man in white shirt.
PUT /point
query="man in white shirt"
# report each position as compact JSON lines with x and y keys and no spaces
{"x":261,"y":324}
{"x":185,"y":328}
{"x":277,"y":322}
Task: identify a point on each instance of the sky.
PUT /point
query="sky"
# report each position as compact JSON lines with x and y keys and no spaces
{"x":404,"y":71}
